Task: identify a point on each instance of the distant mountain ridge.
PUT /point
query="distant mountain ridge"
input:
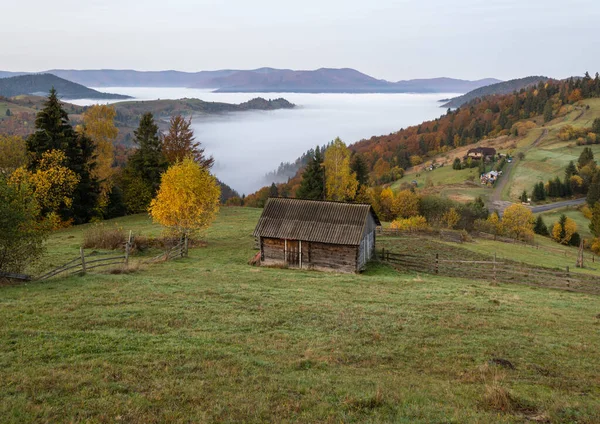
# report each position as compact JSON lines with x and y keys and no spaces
{"x":505,"y":87}
{"x":40,"y":84}
{"x":267,"y":80}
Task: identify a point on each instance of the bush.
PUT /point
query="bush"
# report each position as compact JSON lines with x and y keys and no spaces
{"x":100,"y":236}
{"x":414,"y":223}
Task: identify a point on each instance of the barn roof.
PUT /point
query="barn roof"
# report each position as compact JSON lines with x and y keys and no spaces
{"x":488,"y":151}
{"x":314,"y":220}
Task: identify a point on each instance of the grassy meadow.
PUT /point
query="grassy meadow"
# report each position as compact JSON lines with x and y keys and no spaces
{"x":211,"y":339}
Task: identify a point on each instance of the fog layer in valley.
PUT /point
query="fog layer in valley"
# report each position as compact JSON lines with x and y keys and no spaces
{"x":247,"y":145}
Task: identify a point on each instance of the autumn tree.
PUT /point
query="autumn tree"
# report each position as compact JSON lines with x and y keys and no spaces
{"x":187,"y":200}
{"x":517,"y":222}
{"x":405,"y":204}
{"x":451,"y":218}
{"x":180,"y":143}
{"x":99,"y":126}
{"x":21,"y":234}
{"x":54,"y":132}
{"x":313,"y":178}
{"x":386,"y":205}
{"x":563,"y":230}
{"x":52,"y":185}
{"x":548,"y":111}
{"x":13,"y":153}
{"x":340,"y":181}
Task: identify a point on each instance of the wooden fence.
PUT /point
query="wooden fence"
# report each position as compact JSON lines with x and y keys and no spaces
{"x":86,"y":262}
{"x":11,"y":276}
{"x":503,"y":271}
{"x":180,"y":250}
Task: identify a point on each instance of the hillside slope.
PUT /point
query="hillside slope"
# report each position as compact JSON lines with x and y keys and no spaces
{"x":210,"y":339}
{"x":40,"y":84}
{"x":504,"y":87}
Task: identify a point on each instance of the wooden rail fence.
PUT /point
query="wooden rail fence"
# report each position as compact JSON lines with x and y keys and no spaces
{"x":180,"y":250}
{"x":494,"y":271}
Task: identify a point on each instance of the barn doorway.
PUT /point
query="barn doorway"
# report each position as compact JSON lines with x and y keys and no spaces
{"x":293,"y":253}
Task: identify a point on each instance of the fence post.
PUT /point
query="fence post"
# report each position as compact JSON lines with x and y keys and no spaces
{"x":494,"y":267}
{"x":437,"y":262}
{"x":568,"y":280}
{"x":186,"y":245}
{"x":82,"y":253}
{"x":128,"y":248}
{"x":382,"y":254}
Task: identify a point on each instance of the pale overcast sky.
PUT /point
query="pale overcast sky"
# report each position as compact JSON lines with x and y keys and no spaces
{"x":391,"y":39}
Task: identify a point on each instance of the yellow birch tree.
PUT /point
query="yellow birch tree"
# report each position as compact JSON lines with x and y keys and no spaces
{"x":187,"y":200}
{"x":340,"y":181}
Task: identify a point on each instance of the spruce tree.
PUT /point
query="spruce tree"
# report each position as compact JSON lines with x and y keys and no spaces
{"x":596,"y":126}
{"x":571,"y":170}
{"x":81,"y":159}
{"x":8,"y":112}
{"x":585,"y":157}
{"x":524,"y":197}
{"x":52,"y":130}
{"x":273,"y":191}
{"x":360,"y":168}
{"x":548,"y":111}
{"x":148,"y":161}
{"x":540,"y":228}
{"x":595,"y":220}
{"x":593,"y":194}
{"x":313,"y":178}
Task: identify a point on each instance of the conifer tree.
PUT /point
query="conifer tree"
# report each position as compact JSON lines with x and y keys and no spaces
{"x":8,"y":112}
{"x":52,"y":130}
{"x":273,"y":191}
{"x":148,"y":161}
{"x":571,"y":170}
{"x":313,"y":178}
{"x":360,"y":168}
{"x":180,"y":142}
{"x":585,"y":157}
{"x":595,"y":221}
{"x":524,"y":197}
{"x":548,"y":111}
{"x":593,"y":194}
{"x":539,"y":227}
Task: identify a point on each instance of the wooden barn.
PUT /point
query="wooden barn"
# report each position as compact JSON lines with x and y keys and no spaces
{"x":312,"y":234}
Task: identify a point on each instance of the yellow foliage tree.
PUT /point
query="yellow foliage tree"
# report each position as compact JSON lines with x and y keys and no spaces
{"x":414,"y":223}
{"x":53,"y":184}
{"x":451,"y":218}
{"x":13,"y":153}
{"x":517,"y":222}
{"x":406,"y":204}
{"x":99,"y":126}
{"x":495,"y":224}
{"x":386,"y":204}
{"x":187,"y":200}
{"x":340,"y":181}
{"x":563,"y":230}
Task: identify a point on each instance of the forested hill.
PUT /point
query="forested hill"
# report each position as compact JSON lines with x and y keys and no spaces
{"x":505,"y":87}
{"x":40,"y":84}
{"x":486,"y":117}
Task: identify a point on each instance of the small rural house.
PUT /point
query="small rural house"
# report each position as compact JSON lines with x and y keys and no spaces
{"x":485,"y":153}
{"x":320,"y":235}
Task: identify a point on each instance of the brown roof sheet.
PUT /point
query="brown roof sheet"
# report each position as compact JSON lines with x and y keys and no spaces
{"x":312,"y":220}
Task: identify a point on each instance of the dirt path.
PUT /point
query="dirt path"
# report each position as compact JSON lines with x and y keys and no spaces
{"x":496,"y":202}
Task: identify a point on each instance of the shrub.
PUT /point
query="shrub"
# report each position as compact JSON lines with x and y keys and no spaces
{"x":414,"y":223}
{"x":100,"y":236}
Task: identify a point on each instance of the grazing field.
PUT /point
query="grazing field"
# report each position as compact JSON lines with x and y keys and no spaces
{"x":209,"y":338}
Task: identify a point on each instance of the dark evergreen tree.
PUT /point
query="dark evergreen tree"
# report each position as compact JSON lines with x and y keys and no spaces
{"x":456,"y":164}
{"x":575,"y":240}
{"x":273,"y":191}
{"x":361,"y":169}
{"x":539,"y":192}
{"x":540,"y":228}
{"x":8,"y":112}
{"x":524,"y":197}
{"x":596,"y":126}
{"x":585,"y":157}
{"x":548,"y":111}
{"x":571,"y":170}
{"x":147,"y":162}
{"x":52,"y":130}
{"x":593,"y":194}
{"x":595,"y":221}
{"x":313,"y":178}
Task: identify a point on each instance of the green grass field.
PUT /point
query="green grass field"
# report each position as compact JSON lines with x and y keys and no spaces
{"x":209,"y":338}
{"x":583,"y":224}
